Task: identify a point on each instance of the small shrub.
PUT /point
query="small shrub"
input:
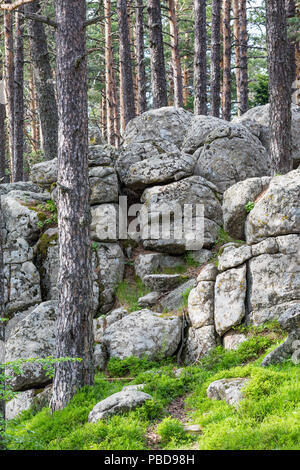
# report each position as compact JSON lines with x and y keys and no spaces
{"x":171,"y":431}
{"x":249,"y":206}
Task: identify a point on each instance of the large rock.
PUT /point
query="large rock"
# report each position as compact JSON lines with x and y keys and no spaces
{"x":150,"y":263}
{"x":201,"y":304}
{"x":199,"y":342}
{"x":290,"y":348}
{"x":22,"y":402}
{"x":277,"y":211}
{"x":274,"y":283}
{"x":229,"y":390}
{"x":257,"y":121}
{"x":171,"y":199}
{"x":174,"y":300}
{"x":118,"y":403}
{"x":162,"y":282}
{"x":104,"y":184}
{"x":45,"y":173}
{"x":163,"y":124}
{"x":235,"y":199}
{"x":105,"y":222}
{"x":143,"y":333}
{"x":6,"y":188}
{"x":229,"y":153}
{"x":230,"y":294}
{"x":233,"y":255}
{"x":21,"y":286}
{"x":33,"y":337}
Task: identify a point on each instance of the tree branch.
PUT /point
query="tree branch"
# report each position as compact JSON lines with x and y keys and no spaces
{"x":15,"y":5}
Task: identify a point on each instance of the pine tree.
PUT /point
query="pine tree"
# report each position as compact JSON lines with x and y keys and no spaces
{"x":215,"y":85}
{"x":140,"y":55}
{"x":244,"y":57}
{"x":176,"y":65}
{"x":279,"y":86}
{"x":200,"y":99}
{"x":75,"y":322}
{"x":226,"y":111}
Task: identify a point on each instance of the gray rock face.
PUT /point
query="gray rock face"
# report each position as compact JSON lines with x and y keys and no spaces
{"x":149,"y":300}
{"x":33,"y":337}
{"x":163,"y":124}
{"x":102,"y":155}
{"x":45,"y":173}
{"x":232,"y":339}
{"x":149,"y":263}
{"x":229,"y":390}
{"x":174,"y":300}
{"x":105,"y":222}
{"x":201,"y":304}
{"x":230,"y":293}
{"x":104,"y":184}
{"x":290,"y":348}
{"x":230,"y":153}
{"x":162,"y":282}
{"x":209,"y":272}
{"x":171,"y":199}
{"x":143,"y":333}
{"x":23,"y":401}
{"x":277,"y":211}
{"x":274,"y":283}
{"x":118,"y":403}
{"x":257,"y":121}
{"x":199,"y":342}
{"x":235,"y":199}
{"x":19,"y":186}
{"x":233,"y":256}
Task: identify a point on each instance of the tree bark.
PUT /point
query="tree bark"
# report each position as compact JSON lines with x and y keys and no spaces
{"x":236,"y":34}
{"x":244,"y":57}
{"x":43,"y":83}
{"x":75,"y":322}
{"x":158,"y":69}
{"x":176,"y":65}
{"x":2,"y":134}
{"x":108,"y":73}
{"x":34,"y":117}
{"x":200,"y":105}
{"x":290,"y":7}
{"x":17,"y":169}
{"x":2,"y":324}
{"x":226,"y":111}
{"x":279,"y":87}
{"x":140,"y":56}
{"x":125,"y":59}
{"x":9,"y":79}
{"x":215,"y":84}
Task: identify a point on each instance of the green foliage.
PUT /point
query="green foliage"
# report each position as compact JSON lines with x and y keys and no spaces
{"x":259,"y":89}
{"x":267,"y":418}
{"x":249,"y":206}
{"x":190,"y":261}
{"x":171,"y":431}
{"x":46,"y":212}
{"x":185,"y":296}
{"x":129,"y":291}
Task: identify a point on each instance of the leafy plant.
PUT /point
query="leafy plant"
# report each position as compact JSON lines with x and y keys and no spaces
{"x":249,"y":206}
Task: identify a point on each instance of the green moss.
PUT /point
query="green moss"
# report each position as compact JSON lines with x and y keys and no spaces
{"x":44,"y":242}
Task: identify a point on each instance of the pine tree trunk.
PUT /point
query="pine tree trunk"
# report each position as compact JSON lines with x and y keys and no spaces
{"x":215,"y":58}
{"x":176,"y":65}
{"x":9,"y":79}
{"x":140,"y":56}
{"x":2,"y":325}
{"x":158,"y":69}
{"x":290,"y":7}
{"x":34,"y":118}
{"x":244,"y":57}
{"x":43,"y":83}
{"x":186,"y":73}
{"x":297,"y":60}
{"x":108,"y":73}
{"x":236,"y":34}
{"x":200,"y":106}
{"x":279,"y":86}
{"x":2,"y":134}
{"x":226,"y":111}
{"x":75,"y":322}
{"x":125,"y":59}
{"x":17,"y":169}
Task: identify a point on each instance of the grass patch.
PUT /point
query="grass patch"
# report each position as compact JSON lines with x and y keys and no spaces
{"x":129,"y":291}
{"x":267,"y":419}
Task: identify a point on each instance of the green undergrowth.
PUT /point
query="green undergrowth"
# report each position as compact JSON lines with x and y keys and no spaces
{"x":129,"y":291}
{"x":267,"y":418}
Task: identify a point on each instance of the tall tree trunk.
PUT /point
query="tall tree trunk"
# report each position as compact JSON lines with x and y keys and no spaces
{"x":34,"y":118}
{"x":158,"y":69}
{"x":17,"y":170}
{"x":140,"y":56}
{"x":297,"y":59}
{"x":244,"y":57}
{"x":186,"y":74}
{"x":279,"y":86}
{"x":116,"y":110}
{"x":215,"y":74}
{"x":75,"y":322}
{"x":125,"y":59}
{"x":43,"y":83}
{"x":290,"y":7}
{"x":236,"y":34}
{"x":2,"y":326}
{"x":226,"y":111}
{"x":176,"y":65}
{"x":9,"y":79}
{"x":2,"y":132}
{"x":200,"y":105}
{"x":108,"y":74}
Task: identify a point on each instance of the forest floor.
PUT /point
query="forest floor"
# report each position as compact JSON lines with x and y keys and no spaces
{"x":266,"y":419}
